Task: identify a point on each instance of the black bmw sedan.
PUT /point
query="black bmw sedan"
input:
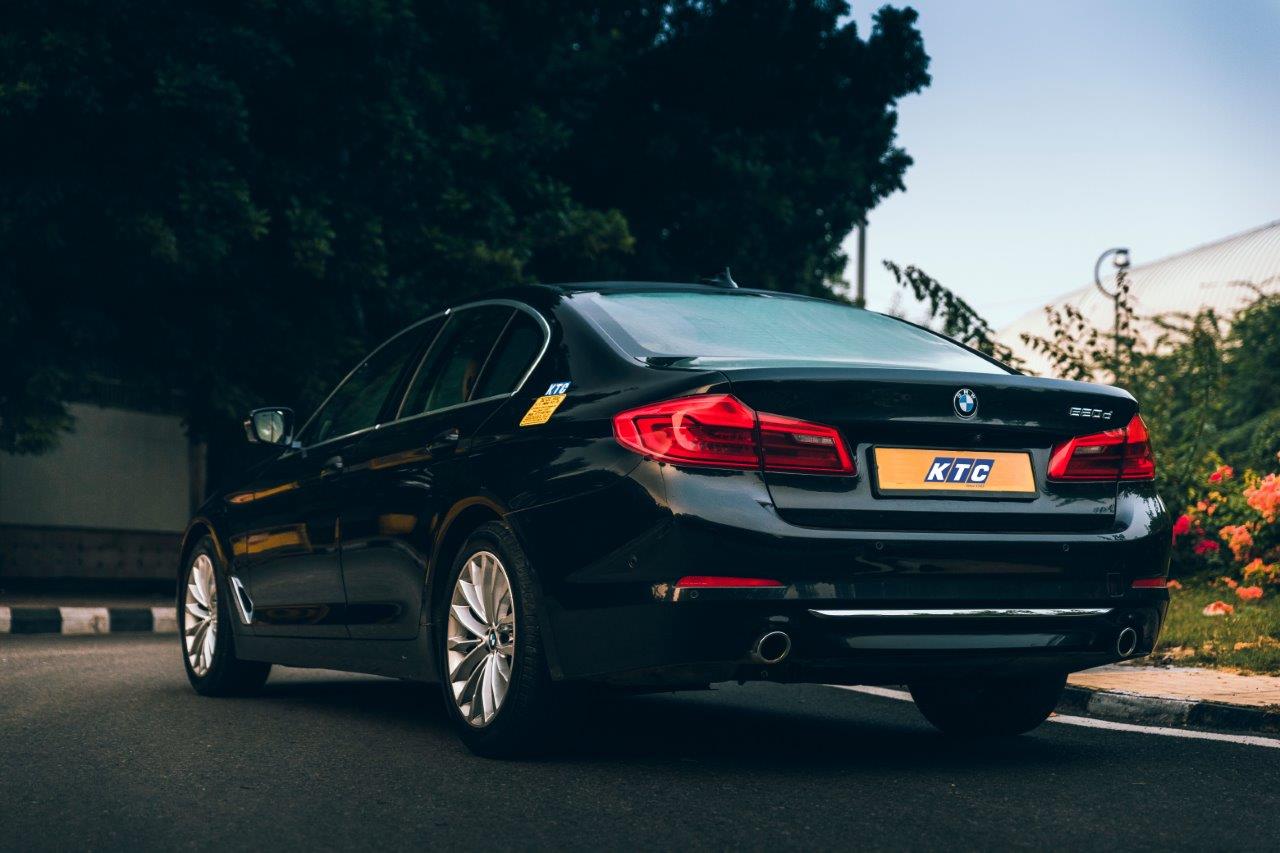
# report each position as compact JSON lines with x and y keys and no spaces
{"x":661,"y":486}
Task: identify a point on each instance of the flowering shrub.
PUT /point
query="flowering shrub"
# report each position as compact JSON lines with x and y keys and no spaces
{"x":1238,"y":512}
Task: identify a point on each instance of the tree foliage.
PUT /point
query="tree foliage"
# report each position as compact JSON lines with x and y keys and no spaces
{"x":957,"y":319}
{"x":229,"y":201}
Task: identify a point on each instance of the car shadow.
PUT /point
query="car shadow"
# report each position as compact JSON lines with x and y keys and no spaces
{"x":773,"y":727}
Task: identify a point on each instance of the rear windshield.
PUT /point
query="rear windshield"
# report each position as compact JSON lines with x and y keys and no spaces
{"x":728,"y":329}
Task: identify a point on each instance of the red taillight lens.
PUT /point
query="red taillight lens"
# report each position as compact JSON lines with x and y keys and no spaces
{"x":716,"y":581}
{"x":1123,"y":454}
{"x":721,"y":431}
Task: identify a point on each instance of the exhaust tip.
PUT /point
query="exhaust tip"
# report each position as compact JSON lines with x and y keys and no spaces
{"x":1127,"y":642}
{"x":772,"y":647}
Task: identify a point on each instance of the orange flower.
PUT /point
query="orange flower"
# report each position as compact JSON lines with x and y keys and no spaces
{"x":1270,"y":571}
{"x":1249,"y":593}
{"x":1224,"y":472}
{"x":1174,"y":585}
{"x":1238,"y":538}
{"x":1218,"y":608}
{"x":1230,"y":582}
{"x":1265,"y":497}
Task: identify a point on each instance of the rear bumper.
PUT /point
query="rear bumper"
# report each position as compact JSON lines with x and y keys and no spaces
{"x":700,"y":642}
{"x":859,"y":606}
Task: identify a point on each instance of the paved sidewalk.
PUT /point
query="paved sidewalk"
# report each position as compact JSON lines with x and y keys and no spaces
{"x":1184,"y":682}
{"x":1184,"y":697}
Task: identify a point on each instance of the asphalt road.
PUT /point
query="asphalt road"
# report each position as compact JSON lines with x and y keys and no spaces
{"x":103,"y":745}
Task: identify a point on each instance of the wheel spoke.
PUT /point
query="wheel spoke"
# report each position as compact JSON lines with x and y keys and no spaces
{"x":462,"y":644}
{"x":463,"y":669}
{"x":467,"y":620}
{"x":197,"y":610}
{"x":493,"y":591}
{"x":472,"y":595}
{"x":197,"y":587}
{"x":468,"y":694}
{"x":490,"y":691}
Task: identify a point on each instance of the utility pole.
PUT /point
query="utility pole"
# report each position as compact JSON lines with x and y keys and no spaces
{"x":861,"y":293}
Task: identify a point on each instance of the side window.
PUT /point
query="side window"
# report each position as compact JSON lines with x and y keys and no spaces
{"x":514,"y":355}
{"x":358,"y":400}
{"x":450,"y":371}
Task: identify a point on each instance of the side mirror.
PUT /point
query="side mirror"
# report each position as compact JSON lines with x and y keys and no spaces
{"x":272,"y":425}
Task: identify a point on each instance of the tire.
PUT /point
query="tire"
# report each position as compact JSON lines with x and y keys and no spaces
{"x":215,"y":672}
{"x":471,"y":648}
{"x":989,"y":707}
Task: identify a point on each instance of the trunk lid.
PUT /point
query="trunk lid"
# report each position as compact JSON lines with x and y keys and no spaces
{"x":1016,"y":418}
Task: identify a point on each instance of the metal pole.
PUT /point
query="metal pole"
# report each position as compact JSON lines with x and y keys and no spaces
{"x":1121,"y":262}
{"x":861,"y":297}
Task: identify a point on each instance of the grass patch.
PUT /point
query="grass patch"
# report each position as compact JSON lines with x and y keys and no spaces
{"x":1248,"y":639}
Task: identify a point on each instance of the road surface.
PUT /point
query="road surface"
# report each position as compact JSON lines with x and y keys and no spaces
{"x":104,"y":746}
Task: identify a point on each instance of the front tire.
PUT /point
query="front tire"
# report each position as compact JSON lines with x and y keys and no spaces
{"x":206,"y":633}
{"x":496,"y":683}
{"x":989,"y":707}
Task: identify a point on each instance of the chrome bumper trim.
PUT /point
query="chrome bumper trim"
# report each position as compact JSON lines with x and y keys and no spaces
{"x":913,"y":612}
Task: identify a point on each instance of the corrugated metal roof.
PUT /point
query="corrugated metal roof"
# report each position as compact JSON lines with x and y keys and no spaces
{"x":1216,"y":275}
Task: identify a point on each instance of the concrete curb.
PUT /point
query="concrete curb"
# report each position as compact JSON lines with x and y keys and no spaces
{"x":1172,"y":713}
{"x":88,"y":620}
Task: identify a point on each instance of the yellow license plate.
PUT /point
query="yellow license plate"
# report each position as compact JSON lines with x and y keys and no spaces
{"x":965,"y":473}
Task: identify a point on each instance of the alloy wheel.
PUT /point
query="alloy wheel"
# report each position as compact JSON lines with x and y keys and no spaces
{"x":200,"y":635}
{"x":481,"y":638}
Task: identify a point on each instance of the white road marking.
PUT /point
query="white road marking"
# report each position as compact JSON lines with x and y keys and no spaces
{"x":1091,"y":723}
{"x":6,"y":623}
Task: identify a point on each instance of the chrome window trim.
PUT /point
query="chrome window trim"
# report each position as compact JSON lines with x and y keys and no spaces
{"x":447,"y":313}
{"x":925,"y":613}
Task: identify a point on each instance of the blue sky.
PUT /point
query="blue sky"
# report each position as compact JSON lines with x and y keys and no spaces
{"x":1054,"y":130}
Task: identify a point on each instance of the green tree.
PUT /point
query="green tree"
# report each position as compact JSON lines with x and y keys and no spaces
{"x":224,"y":203}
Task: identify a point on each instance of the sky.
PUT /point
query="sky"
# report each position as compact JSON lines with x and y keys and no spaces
{"x":1055,"y":130}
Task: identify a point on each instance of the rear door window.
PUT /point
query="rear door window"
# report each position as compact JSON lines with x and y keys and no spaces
{"x":451,"y":371}
{"x":515,"y":353}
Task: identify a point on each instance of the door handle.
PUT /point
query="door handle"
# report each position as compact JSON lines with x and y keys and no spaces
{"x":332,"y":465}
{"x":448,"y":438}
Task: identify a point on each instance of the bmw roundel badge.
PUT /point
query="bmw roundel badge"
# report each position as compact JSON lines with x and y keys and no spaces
{"x":965,"y":402}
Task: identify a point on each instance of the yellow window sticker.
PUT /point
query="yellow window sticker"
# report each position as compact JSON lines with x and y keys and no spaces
{"x":542,"y":410}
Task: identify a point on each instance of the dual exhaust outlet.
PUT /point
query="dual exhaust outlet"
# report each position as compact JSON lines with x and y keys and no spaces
{"x":771,"y":647}
{"x":1126,"y":642}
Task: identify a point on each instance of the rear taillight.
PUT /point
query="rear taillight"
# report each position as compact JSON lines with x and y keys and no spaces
{"x":721,"y":431}
{"x":1123,"y":454}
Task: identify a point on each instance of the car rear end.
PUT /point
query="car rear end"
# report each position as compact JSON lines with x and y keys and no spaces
{"x":869,"y":504}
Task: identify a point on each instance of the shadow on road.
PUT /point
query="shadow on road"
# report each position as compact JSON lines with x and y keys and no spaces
{"x":763,"y":726}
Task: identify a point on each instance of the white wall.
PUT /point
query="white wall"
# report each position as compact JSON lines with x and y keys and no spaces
{"x":119,"y":470}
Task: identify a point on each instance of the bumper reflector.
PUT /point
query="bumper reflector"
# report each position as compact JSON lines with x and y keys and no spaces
{"x":1150,"y":583}
{"x":716,"y":581}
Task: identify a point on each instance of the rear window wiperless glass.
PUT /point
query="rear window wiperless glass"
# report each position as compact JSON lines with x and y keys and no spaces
{"x":726,"y":329}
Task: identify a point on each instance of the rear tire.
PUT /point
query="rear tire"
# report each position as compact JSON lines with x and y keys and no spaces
{"x":494,"y":675}
{"x":209,"y":652}
{"x":988,"y":707}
